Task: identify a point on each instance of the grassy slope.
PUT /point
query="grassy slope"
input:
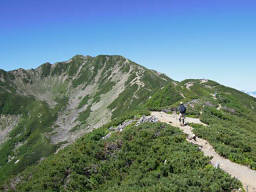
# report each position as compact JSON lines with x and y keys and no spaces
{"x":231,"y":133}
{"x":37,"y":117}
{"x":27,"y":142}
{"x":129,"y":161}
{"x":164,"y":97}
{"x":231,"y":129}
{"x":134,"y":97}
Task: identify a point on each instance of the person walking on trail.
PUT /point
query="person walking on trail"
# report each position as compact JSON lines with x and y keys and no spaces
{"x":182,"y":110}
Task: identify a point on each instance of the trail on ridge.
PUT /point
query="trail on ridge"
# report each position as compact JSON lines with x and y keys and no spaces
{"x":242,"y":173}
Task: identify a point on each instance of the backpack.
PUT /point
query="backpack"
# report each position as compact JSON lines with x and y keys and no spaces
{"x":182,"y":109}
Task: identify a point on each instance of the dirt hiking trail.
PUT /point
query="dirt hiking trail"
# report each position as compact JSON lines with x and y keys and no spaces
{"x":242,"y":173}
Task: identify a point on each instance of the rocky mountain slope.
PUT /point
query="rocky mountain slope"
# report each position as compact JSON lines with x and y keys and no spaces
{"x":47,"y":108}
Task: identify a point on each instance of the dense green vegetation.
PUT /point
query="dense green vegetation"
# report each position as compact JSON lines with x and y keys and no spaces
{"x":27,"y":142}
{"x":150,"y":157}
{"x":134,"y":159}
{"x":46,"y":69}
{"x":230,"y":114}
{"x":170,"y":95}
{"x":36,"y":119}
{"x":13,"y":104}
{"x":164,"y":97}
{"x":232,"y":130}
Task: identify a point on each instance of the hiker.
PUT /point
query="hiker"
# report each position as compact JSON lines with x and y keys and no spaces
{"x":182,"y":110}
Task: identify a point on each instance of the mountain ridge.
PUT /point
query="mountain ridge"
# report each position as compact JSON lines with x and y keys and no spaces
{"x":56,"y":104}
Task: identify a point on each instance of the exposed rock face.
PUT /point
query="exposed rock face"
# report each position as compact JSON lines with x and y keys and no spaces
{"x":55,"y":104}
{"x":94,"y":88}
{"x":145,"y":119}
{"x":189,"y":84}
{"x":7,"y":123}
{"x":121,"y":127}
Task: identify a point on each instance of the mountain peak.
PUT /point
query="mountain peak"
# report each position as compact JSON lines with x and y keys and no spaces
{"x":93,"y":89}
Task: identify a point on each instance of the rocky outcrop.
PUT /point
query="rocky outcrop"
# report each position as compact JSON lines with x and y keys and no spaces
{"x":7,"y":123}
{"x":147,"y":119}
{"x":122,"y":126}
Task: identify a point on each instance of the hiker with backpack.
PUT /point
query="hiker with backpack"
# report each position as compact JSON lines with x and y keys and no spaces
{"x":182,"y":110}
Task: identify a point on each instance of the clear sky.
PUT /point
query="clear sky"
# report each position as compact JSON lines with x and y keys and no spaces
{"x":214,"y":39}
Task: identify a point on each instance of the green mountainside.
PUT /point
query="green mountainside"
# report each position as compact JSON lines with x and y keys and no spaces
{"x":45,"y":109}
{"x":230,"y":114}
{"x":149,"y":157}
{"x":79,"y":101}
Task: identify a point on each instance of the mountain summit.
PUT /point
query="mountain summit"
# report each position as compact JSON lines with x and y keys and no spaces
{"x":91,"y":89}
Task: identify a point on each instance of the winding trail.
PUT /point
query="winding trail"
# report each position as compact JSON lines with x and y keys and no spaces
{"x":242,"y":173}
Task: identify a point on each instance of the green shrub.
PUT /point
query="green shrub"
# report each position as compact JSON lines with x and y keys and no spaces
{"x":164,"y":97}
{"x":143,"y":158}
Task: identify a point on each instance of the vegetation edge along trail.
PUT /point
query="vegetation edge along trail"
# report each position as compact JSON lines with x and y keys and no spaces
{"x":140,"y":157}
{"x":243,"y":173}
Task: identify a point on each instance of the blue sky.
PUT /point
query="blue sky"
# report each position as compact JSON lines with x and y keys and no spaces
{"x":214,"y":39}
